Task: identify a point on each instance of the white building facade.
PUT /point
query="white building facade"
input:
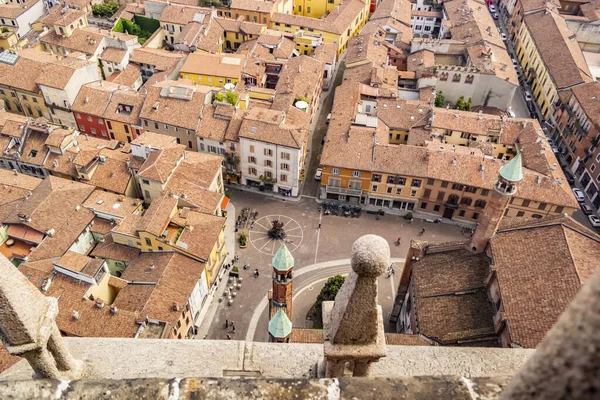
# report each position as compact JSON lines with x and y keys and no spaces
{"x":276,"y":168}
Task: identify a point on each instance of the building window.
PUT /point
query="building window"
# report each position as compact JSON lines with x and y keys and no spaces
{"x":82,"y":128}
{"x":356,"y":174}
{"x":390,"y":189}
{"x":416,"y":183}
{"x":444,"y":76}
{"x":444,"y":184}
{"x":78,"y":116}
{"x":440,"y":195}
{"x":285,"y":166}
{"x":430,"y":181}
{"x":148,"y":241}
{"x":374,"y":188}
{"x":542,"y":206}
{"x":469,"y":79}
{"x":436,"y":208}
{"x":145,"y":181}
{"x":251,"y":148}
{"x":520,"y":213}
{"x":537,"y":216}
{"x":93,"y":131}
{"x":485,"y":192}
{"x":525,"y":203}
{"x":559,"y":209}
{"x":423,"y":206}
{"x":466,"y":200}
{"x":283,"y":178}
{"x":268,"y":163}
{"x":470,"y":189}
{"x":252,"y":159}
{"x":156,"y":125}
{"x":268,"y":152}
{"x":475,"y":215}
{"x":286,"y":156}
{"x":461,"y":213}
{"x":480,"y":203}
{"x":457,"y":186}
{"x":413,"y":193}
{"x":335,"y":171}
{"x":252,"y":171}
{"x":456,"y":78}
{"x":89,"y":118}
{"x":376,"y":178}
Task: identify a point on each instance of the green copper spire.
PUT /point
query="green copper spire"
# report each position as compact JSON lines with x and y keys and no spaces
{"x":280,"y":325}
{"x":283,"y":260}
{"x":513,"y":170}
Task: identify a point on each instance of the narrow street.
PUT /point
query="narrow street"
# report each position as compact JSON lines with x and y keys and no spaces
{"x":319,"y":131}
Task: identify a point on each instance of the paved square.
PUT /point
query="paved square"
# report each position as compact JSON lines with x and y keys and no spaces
{"x":318,"y":254}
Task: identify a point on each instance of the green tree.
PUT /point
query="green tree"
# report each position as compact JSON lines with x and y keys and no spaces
{"x":460,"y":103}
{"x":231,"y":97}
{"x":440,"y":99}
{"x":468,"y":104}
{"x":329,"y":291}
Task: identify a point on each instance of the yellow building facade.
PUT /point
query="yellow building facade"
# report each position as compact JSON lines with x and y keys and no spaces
{"x":296,"y":25}
{"x":543,"y":90}
{"x":213,"y":69}
{"x":22,"y":102}
{"x":314,"y":9}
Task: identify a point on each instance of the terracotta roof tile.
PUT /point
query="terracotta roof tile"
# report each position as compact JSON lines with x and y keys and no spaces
{"x":536,"y":290}
{"x":561,"y":54}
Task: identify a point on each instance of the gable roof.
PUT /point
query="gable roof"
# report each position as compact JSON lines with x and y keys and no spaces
{"x":536,"y":289}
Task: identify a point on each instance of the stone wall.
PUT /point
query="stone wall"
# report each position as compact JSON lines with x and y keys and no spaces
{"x":447,"y":387}
{"x":116,"y":358}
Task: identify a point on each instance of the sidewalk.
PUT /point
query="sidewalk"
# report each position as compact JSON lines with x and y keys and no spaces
{"x":213,"y":299}
{"x":244,"y":188}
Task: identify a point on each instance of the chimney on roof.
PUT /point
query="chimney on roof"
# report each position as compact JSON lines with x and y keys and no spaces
{"x":113,"y":309}
{"x":454,"y":161}
{"x":76,"y":315}
{"x":99,"y":303}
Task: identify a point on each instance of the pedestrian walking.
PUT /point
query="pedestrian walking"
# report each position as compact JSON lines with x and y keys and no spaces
{"x":228,"y":336}
{"x":226,"y":324}
{"x":233,"y":328}
{"x":319,"y":226}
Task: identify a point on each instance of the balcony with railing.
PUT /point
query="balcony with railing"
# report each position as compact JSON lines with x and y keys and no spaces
{"x":345,"y":191}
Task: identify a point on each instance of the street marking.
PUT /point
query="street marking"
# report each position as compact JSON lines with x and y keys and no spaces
{"x":318,"y":236}
{"x":265,"y":245}
{"x":255,"y":236}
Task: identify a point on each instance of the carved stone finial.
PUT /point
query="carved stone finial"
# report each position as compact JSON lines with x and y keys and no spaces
{"x":354,"y":327}
{"x":28,"y":327}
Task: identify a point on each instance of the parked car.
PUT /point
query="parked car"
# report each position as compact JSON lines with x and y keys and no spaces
{"x":503,"y":36}
{"x":495,"y":15}
{"x":319,"y":174}
{"x":555,"y":150}
{"x":515,"y":63}
{"x":492,"y":8}
{"x":570,"y":177}
{"x":328,"y":118}
{"x":587,"y":209}
{"x":594,"y":220}
{"x":528,"y":96}
{"x":579,"y":196}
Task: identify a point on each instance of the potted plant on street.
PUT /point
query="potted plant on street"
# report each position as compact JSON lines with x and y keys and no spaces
{"x":235,"y":272}
{"x":409,"y":217}
{"x":243,"y":240}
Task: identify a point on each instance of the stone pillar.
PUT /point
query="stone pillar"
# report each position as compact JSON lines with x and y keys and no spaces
{"x":28,"y":327}
{"x":566,"y":363}
{"x":354,"y":330}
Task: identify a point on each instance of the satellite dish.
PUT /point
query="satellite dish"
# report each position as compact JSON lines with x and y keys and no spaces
{"x":229,"y":86}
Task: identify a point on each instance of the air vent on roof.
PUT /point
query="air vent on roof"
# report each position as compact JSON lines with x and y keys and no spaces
{"x":76,"y":315}
{"x":175,"y":307}
{"x":113,"y":309}
{"x":253,"y":129}
{"x":99,"y":303}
